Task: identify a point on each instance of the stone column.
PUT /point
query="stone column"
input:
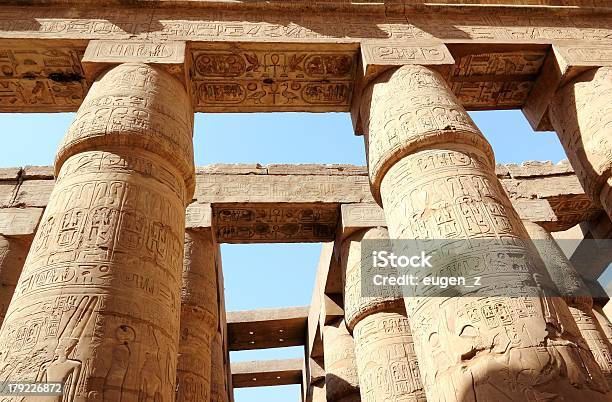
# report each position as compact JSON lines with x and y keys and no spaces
{"x":99,"y":296}
{"x":199,"y":316}
{"x":433,"y":173}
{"x":386,"y":362}
{"x":341,"y":381}
{"x":604,"y":322}
{"x":581,"y":114}
{"x":218,"y":387}
{"x":575,"y":292}
{"x":13,"y":253}
{"x":318,"y":391}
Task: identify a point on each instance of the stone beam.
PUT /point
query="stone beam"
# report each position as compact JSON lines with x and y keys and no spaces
{"x":249,"y":56}
{"x":301,"y":203}
{"x":266,"y":373}
{"x":268,"y":328}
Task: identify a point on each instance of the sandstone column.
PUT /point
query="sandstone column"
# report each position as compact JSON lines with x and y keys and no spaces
{"x":575,"y":293}
{"x":581,"y":114}
{"x":386,"y":362}
{"x":13,"y":253}
{"x":434,"y":174}
{"x":97,"y":305}
{"x":341,"y":382}
{"x":199,"y":316}
{"x":218,"y":387}
{"x":318,"y":391}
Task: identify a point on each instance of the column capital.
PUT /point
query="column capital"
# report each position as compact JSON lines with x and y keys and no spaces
{"x":378,"y":57}
{"x":563,"y":63}
{"x":135,"y":106}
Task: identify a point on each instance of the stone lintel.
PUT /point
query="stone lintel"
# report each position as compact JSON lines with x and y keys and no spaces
{"x":315,"y":203}
{"x":19,"y":221}
{"x":564,"y":62}
{"x":267,"y":328}
{"x":266,"y":373}
{"x":378,"y":57}
{"x":101,"y":54}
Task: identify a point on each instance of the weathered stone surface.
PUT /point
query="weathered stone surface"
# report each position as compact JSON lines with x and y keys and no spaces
{"x":386,"y":362}
{"x":266,"y":328}
{"x":574,"y":292}
{"x":266,"y":223}
{"x":198,"y":216}
{"x":266,"y":373}
{"x":19,"y":221}
{"x":341,"y":382}
{"x":33,"y":193}
{"x":541,"y":192}
{"x":281,"y":188}
{"x":318,"y":392}
{"x":199,"y":316}
{"x":581,"y":113}
{"x":11,"y":173}
{"x":13,"y":253}
{"x":37,"y":172}
{"x":101,"y":284}
{"x":253,"y":77}
{"x":218,"y":382}
{"x":433,"y":172}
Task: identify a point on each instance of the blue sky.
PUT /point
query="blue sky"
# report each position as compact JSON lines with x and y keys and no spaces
{"x":272,"y":275}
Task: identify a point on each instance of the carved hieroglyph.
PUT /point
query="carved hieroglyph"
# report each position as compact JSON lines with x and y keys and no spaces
{"x":581,"y":113}
{"x":37,"y":76}
{"x":199,"y":316}
{"x":341,"y":382}
{"x":433,"y":172}
{"x":97,"y":305}
{"x":13,"y":253}
{"x":387,"y":365}
{"x":218,"y":387}
{"x":574,"y":292}
{"x":286,"y":78}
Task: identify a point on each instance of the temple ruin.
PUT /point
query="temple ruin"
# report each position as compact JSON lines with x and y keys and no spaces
{"x":111,"y":272}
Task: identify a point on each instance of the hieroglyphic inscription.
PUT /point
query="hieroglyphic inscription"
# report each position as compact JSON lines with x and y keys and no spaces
{"x":581,"y":113}
{"x":576,"y":294}
{"x":41,"y":78}
{"x":340,"y":367}
{"x":501,"y":80}
{"x":98,"y":303}
{"x":386,"y":361}
{"x":199,"y":316}
{"x":261,"y":223}
{"x":252,"y":78}
{"x":436,"y":186}
{"x":521,"y":24}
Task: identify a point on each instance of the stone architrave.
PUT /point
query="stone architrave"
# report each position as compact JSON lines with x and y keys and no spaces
{"x":199,"y":316}
{"x":218,"y":387}
{"x":99,"y":294}
{"x":575,"y":293}
{"x":341,"y":381}
{"x":13,"y":253}
{"x":581,"y":114}
{"x":386,"y":362}
{"x":433,"y":172}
